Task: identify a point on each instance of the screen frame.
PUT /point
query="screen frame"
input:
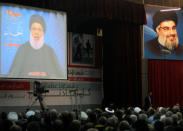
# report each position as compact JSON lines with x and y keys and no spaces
{"x":66,"y":39}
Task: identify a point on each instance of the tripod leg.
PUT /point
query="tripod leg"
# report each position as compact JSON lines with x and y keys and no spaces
{"x":43,"y":105}
{"x":32,"y":104}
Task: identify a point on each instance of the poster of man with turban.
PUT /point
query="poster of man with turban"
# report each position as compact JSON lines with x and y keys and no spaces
{"x":162,"y":34}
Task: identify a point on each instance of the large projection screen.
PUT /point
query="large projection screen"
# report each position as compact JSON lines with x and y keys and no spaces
{"x":33,"y":43}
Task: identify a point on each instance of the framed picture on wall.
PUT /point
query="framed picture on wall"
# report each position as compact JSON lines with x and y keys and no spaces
{"x":81,"y":50}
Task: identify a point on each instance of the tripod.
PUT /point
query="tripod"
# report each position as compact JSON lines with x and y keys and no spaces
{"x":41,"y":102}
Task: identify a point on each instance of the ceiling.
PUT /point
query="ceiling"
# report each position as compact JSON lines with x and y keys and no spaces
{"x":170,"y":3}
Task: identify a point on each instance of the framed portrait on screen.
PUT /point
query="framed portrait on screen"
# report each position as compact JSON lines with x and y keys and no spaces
{"x":81,"y":49}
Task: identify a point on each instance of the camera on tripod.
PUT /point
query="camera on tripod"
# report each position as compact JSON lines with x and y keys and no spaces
{"x":38,"y":89}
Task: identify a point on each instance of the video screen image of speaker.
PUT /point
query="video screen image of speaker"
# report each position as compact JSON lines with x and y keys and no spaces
{"x":33,"y":43}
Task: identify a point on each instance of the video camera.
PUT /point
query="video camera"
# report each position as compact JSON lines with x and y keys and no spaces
{"x":38,"y":89}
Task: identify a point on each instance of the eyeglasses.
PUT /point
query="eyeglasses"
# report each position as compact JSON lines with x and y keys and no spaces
{"x":34,"y":29}
{"x":166,"y":28}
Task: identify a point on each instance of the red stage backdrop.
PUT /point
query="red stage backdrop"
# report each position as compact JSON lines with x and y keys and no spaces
{"x":165,"y":79}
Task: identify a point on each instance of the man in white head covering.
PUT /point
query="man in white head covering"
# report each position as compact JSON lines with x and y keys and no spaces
{"x":12,"y":116}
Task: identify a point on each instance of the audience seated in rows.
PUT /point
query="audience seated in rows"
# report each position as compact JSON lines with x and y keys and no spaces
{"x":123,"y":119}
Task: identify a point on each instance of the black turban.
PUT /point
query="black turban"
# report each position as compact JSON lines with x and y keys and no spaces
{"x":163,"y":16}
{"x":37,"y":19}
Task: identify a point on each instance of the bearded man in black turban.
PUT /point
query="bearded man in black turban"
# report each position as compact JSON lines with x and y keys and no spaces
{"x":167,"y":42}
{"x":35,"y":59}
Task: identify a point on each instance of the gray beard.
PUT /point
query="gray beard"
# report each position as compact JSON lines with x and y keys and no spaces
{"x":170,"y":45}
{"x":36,"y":45}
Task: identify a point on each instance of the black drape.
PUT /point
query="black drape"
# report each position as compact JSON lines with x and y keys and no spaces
{"x":110,"y":9}
{"x":122,"y":63}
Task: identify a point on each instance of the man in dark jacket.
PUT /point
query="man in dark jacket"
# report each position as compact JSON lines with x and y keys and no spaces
{"x":148,"y":101}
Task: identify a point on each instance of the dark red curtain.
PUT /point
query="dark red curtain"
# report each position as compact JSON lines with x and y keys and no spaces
{"x":122,"y":64}
{"x":165,"y":79}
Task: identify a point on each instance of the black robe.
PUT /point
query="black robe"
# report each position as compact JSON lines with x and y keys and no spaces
{"x":36,"y":63}
{"x":155,"y":48}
